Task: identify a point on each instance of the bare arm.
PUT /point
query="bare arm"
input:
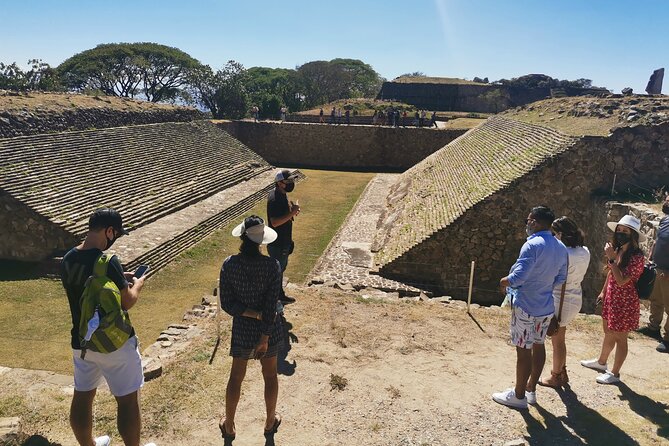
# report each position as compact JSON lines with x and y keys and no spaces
{"x":130,"y":294}
{"x":278,"y":221}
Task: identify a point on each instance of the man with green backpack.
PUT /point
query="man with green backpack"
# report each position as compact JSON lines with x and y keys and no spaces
{"x":104,"y":344}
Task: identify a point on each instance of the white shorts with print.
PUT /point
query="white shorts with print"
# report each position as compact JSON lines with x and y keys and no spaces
{"x":528,"y":330}
{"x":122,"y":369}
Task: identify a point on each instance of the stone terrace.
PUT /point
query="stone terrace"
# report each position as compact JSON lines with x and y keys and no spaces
{"x":146,"y":172}
{"x":347,"y":261}
{"x":437,"y":191}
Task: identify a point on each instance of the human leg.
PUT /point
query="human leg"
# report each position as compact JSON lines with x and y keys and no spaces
{"x":128,"y":418}
{"x":559,"y":350}
{"x":620,"y":339}
{"x":538,"y":361}
{"x":233,"y":392}
{"x":608,"y":344}
{"x":269,"y":373}
{"x":657,"y":307}
{"x":81,"y":416}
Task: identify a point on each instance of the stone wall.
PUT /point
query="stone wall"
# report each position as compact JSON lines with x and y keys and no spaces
{"x":469,"y":97}
{"x":575,"y":183}
{"x":27,"y":235}
{"x":23,"y":123}
{"x":339,"y":147}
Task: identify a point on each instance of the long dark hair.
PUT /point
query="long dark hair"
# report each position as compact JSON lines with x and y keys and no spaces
{"x":571,"y":236}
{"x":631,"y":251}
{"x":249,"y":248}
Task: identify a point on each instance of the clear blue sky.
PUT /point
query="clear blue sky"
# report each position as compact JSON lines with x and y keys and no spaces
{"x":616,"y":43}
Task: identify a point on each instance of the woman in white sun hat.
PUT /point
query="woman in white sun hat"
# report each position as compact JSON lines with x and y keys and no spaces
{"x":620,"y":300}
{"x":250,"y":283}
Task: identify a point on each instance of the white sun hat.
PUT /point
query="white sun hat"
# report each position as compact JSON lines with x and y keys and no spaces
{"x":631,"y":222}
{"x":255,"y":229}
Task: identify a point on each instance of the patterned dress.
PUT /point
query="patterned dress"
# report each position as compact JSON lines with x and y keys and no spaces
{"x":251,"y":283}
{"x":620,"y":307}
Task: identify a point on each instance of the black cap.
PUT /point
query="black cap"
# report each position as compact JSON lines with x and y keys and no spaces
{"x":105,"y":217}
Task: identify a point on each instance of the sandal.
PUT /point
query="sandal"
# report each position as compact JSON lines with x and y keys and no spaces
{"x":555,"y":381}
{"x":564,"y":378}
{"x":269,"y":434}
{"x":227,"y":437}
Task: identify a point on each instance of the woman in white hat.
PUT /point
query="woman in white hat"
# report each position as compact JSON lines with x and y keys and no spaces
{"x":249,"y":290}
{"x":620,"y":300}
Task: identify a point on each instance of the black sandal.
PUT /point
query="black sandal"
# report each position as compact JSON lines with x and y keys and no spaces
{"x":269,"y":434}
{"x":227,"y":438}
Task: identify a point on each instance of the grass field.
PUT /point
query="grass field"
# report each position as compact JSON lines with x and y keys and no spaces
{"x":36,"y":316}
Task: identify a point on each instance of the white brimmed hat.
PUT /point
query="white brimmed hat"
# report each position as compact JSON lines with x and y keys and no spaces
{"x":631,"y":222}
{"x":255,"y":229}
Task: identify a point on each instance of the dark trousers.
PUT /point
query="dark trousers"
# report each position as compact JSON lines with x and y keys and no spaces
{"x":281,"y":254}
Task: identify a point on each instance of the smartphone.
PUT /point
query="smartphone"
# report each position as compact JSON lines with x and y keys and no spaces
{"x":141,"y":270}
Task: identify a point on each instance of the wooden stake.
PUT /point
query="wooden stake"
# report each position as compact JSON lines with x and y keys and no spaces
{"x":471,"y":284}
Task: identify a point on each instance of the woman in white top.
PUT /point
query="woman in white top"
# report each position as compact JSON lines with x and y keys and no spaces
{"x":568,"y":233}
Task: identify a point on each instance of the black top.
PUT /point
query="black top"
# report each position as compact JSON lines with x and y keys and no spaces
{"x":75,"y":269}
{"x":661,"y":250}
{"x":251,"y":283}
{"x":277,"y":206}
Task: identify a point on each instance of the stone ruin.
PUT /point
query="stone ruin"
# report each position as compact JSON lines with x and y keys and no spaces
{"x":174,"y":183}
{"x":469,"y":200}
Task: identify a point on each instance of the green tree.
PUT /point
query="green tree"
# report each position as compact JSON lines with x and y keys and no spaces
{"x":156,"y":72}
{"x":363,"y":80}
{"x":270,"y":88}
{"x":40,"y":76}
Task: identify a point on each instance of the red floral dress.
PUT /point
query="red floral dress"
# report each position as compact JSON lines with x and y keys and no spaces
{"x":620,"y":307}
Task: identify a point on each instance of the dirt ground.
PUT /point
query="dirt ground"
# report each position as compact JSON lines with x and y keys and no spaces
{"x":417,"y":373}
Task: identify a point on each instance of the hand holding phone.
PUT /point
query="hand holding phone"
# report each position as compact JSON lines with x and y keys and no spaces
{"x":141,"y":270}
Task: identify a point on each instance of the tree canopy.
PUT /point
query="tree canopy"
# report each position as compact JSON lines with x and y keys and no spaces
{"x":154,"y":71}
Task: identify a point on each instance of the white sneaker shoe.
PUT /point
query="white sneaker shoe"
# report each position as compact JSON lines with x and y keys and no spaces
{"x":508,"y":398}
{"x":608,"y":378}
{"x":594,"y":365}
{"x":102,"y":441}
{"x":150,"y":444}
{"x":531,"y":397}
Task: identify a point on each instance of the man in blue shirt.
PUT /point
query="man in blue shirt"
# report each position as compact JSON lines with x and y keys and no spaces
{"x":541,"y":265}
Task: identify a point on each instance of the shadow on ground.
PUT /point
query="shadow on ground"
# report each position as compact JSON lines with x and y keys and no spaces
{"x":283,"y":366}
{"x":581,"y":426}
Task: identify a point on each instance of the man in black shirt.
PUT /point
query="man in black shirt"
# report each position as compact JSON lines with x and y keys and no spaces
{"x":122,"y":369}
{"x":280,"y":214}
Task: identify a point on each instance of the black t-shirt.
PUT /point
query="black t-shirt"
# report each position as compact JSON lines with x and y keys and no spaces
{"x":75,"y":269}
{"x":277,"y":206}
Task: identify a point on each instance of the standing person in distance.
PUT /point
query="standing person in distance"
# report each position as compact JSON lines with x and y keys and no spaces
{"x":280,"y":215}
{"x":122,"y":368}
{"x":572,"y":237}
{"x":619,"y":297}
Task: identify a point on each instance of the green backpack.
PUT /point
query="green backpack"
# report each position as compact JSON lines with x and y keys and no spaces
{"x":104,"y":325}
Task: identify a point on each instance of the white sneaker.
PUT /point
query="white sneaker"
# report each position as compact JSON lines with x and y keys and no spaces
{"x":150,"y":444}
{"x":594,"y":365}
{"x":102,"y":441}
{"x":608,"y":378}
{"x":508,"y":398}
{"x":531,"y":397}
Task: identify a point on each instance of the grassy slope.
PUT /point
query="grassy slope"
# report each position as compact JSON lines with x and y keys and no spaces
{"x":37,"y":311}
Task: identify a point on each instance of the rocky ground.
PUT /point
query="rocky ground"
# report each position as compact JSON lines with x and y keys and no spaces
{"x":387,"y":371}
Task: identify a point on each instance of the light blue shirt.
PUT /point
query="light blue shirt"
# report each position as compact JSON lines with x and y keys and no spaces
{"x":541,"y":265}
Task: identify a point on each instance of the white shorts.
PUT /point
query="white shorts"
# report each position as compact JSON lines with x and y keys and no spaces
{"x":121,"y":369}
{"x":528,"y":330}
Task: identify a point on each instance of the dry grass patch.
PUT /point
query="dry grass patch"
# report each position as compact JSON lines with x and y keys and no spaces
{"x":39,"y":315}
